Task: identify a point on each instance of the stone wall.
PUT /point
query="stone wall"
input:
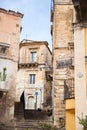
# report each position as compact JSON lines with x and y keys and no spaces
{"x":62,"y":35}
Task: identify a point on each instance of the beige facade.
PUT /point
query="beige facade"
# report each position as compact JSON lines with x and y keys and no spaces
{"x":62,"y":33}
{"x":10,"y":25}
{"x":80,"y":40}
{"x":35,"y":63}
{"x":80,"y":52}
{"x":80,"y":77}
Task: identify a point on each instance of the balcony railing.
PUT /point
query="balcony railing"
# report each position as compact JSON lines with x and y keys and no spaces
{"x":64,"y":62}
{"x":69,"y":89}
{"x":27,"y":60}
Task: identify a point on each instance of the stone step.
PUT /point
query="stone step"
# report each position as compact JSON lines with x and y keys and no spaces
{"x":32,"y":121}
{"x":23,"y":124}
{"x":18,"y":111}
{"x":36,"y":115}
{"x":19,"y":128}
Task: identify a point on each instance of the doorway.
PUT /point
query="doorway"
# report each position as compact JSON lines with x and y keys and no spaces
{"x":31,"y":104}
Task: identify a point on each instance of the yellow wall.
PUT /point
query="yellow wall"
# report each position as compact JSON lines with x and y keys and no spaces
{"x":70,"y":104}
{"x":86,"y":55}
{"x":70,"y":114}
{"x":70,"y":119}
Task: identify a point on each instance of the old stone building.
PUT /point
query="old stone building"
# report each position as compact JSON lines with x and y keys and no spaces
{"x":33,"y":78}
{"x":63,"y":48}
{"x":10,"y":27}
{"x":69,"y":32}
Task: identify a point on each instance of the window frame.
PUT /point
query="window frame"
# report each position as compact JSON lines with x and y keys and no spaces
{"x":33,"y":56}
{"x":32,"y":78}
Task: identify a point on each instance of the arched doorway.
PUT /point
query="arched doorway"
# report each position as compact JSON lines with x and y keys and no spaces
{"x":31,"y":104}
{"x":22,"y":99}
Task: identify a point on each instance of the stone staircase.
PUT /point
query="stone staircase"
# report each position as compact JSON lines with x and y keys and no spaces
{"x":32,"y":120}
{"x":19,"y":110}
{"x":28,"y":125}
{"x":26,"y":120}
{"x":24,"y":124}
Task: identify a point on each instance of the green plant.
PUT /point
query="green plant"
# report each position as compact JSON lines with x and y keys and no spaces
{"x":83,"y":121}
{"x":53,"y":119}
{"x":3,"y":75}
{"x":62,"y":122}
{"x":45,"y":126}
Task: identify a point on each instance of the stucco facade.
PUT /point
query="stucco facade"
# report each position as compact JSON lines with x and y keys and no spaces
{"x":80,"y":52}
{"x":35,"y":63}
{"x":10,"y":25}
{"x":80,"y":74}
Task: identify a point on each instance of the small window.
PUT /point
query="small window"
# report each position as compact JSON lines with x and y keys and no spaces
{"x":33,"y":57}
{"x":32,"y":78}
{"x":2,"y":50}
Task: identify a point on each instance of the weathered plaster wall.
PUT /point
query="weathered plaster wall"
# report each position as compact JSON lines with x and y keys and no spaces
{"x":80,"y":74}
{"x":9,"y":34}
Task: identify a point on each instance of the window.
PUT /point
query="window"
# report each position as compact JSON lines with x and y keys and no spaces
{"x":32,"y":78}
{"x":33,"y":57}
{"x":3,"y":50}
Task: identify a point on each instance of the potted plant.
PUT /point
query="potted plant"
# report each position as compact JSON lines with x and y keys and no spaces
{"x":3,"y":76}
{"x":83,"y":122}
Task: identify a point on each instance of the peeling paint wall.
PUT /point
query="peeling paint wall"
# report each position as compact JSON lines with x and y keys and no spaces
{"x":9,"y":39}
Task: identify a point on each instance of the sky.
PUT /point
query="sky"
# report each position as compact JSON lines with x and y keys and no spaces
{"x":36,"y":21}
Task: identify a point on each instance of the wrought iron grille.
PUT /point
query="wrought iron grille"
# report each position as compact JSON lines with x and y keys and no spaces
{"x":64,"y":63}
{"x":69,"y":89}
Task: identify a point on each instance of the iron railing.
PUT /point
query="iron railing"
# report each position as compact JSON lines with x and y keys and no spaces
{"x":69,"y":89}
{"x":26,"y":60}
{"x":64,"y":63}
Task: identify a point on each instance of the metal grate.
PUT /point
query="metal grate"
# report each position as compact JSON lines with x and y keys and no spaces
{"x":69,"y":89}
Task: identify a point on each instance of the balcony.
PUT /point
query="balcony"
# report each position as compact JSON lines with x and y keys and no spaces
{"x":69,"y":89}
{"x":64,"y":62}
{"x":28,"y":62}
